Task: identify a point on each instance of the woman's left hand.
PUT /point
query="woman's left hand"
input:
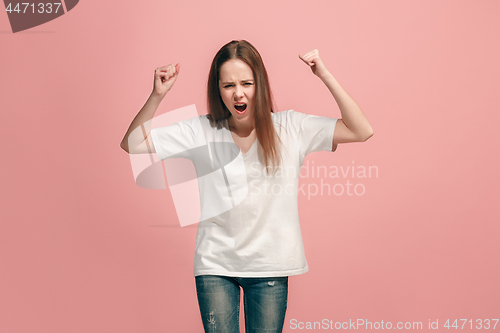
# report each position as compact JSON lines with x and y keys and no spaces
{"x":312,"y":59}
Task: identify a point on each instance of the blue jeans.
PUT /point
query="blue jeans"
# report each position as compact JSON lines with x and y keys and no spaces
{"x":265,"y":301}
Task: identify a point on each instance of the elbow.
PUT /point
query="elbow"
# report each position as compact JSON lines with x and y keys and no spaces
{"x":124,"y":147}
{"x":368,"y":134}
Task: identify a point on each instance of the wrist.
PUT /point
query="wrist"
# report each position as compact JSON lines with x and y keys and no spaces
{"x":156,"y":96}
{"x":325,"y":76}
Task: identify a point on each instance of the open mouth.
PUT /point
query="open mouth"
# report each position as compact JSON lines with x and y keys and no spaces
{"x":240,"y":107}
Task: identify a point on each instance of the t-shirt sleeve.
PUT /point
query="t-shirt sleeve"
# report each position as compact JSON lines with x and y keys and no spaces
{"x":178,"y":139}
{"x":314,"y":133}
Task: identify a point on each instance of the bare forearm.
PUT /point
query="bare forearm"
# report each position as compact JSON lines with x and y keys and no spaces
{"x":142,"y":120}
{"x":352,"y":115}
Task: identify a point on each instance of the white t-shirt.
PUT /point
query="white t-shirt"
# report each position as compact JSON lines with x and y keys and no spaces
{"x":259,"y":236}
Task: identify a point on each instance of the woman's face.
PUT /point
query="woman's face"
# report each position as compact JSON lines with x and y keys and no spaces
{"x":237,"y":90}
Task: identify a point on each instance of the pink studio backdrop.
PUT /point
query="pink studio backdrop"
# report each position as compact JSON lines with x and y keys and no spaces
{"x":84,"y":249}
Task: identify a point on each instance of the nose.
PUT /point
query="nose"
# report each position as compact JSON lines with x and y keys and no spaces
{"x":238,"y":93}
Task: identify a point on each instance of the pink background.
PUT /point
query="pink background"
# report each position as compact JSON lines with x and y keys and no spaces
{"x":84,"y":249}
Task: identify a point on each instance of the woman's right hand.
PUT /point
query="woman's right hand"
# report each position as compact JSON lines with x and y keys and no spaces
{"x":164,"y":78}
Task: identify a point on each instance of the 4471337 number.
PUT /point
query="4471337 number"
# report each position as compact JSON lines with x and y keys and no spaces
{"x":477,"y":324}
{"x":34,"y":8}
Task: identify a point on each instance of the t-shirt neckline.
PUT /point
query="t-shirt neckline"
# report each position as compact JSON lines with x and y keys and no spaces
{"x":252,"y":148}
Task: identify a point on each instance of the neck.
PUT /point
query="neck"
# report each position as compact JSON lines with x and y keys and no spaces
{"x":241,"y":129}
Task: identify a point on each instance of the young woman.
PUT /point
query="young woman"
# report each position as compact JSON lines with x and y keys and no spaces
{"x":257,"y":244}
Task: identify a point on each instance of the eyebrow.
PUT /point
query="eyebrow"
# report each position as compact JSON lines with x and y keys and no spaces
{"x":240,"y":81}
